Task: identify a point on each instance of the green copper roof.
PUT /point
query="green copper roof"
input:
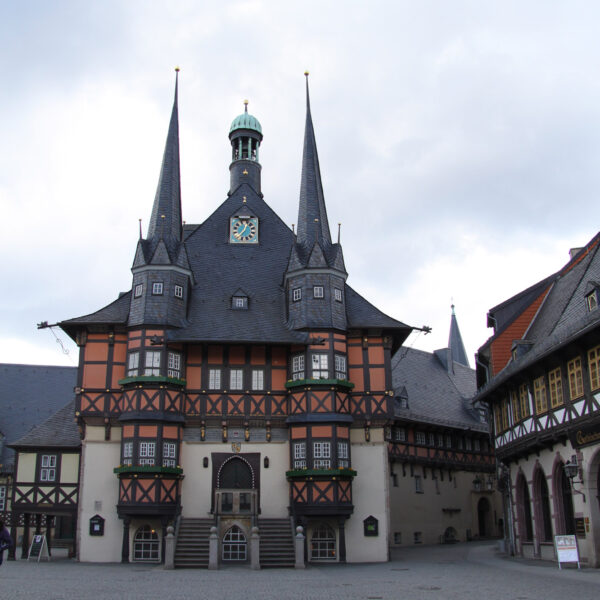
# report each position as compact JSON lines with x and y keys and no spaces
{"x":245,"y":121}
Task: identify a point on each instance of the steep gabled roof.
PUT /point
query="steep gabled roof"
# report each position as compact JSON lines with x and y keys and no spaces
{"x":58,"y":431}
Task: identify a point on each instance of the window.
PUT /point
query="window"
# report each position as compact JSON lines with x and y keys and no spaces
{"x":556,"y":391}
{"x":476,"y":445}
{"x":448,"y":441}
{"x":468,"y":443}
{"x":524,"y":400}
{"x":337,"y":294}
{"x":539,"y":393}
{"x":440,"y":440}
{"x":399,"y":434}
{"x":214,"y":379}
{"x":397,"y":537}
{"x":258,"y":379}
{"x":297,"y":294}
{"x":318,"y":291}
{"x":128,"y":453}
{"x":157,"y":288}
{"x":505,"y":414}
{"x":343,"y":456}
{"x":234,"y":545}
{"x":418,"y":537}
{"x":169,"y":456}
{"x":178,"y":291}
{"x":138,"y":290}
{"x":322,"y":543}
{"x":420,"y":438}
{"x":516,"y":406}
{"x":418,"y":484}
{"x":146,"y":545}
{"x":236,"y":379}
{"x":133,"y":364}
{"x":459,"y":443}
{"x":2,"y":498}
{"x":498,"y":418}
{"x":147,"y":453}
{"x":298,"y":366}
{"x":319,"y":366}
{"x":575,"y":374}
{"x":48,"y":470}
{"x":594,"y":365}
{"x":432,"y":439}
{"x":591,"y":301}
{"x":300,"y":455}
{"x":340,"y":367}
{"x":152,"y":363}
{"x":239,"y":303}
{"x":174,"y":365}
{"x":321,"y":455}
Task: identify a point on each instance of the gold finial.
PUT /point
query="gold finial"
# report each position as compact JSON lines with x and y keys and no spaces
{"x":245,"y":105}
{"x":177,"y":69}
{"x":306,"y":73}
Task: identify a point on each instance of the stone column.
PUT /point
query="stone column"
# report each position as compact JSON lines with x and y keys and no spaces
{"x":213,"y":549}
{"x":299,"y":548}
{"x":170,"y":548}
{"x":255,"y":549}
{"x":125,"y":546}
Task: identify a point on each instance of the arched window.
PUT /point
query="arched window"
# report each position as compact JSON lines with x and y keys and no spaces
{"x":146,"y":547}
{"x":234,"y":545}
{"x":542,"y":504}
{"x":323,"y":543}
{"x":524,"y":509}
{"x":236,"y":474}
{"x":565,"y":518}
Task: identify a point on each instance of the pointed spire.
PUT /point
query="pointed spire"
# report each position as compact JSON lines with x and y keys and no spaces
{"x":455,"y":343}
{"x":312,"y":215}
{"x":165,"y":221}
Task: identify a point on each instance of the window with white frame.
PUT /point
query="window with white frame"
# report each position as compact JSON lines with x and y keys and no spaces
{"x":297,"y":294}
{"x":133,"y":364}
{"x":239,"y":302}
{"x":468,"y":444}
{"x":169,"y":454}
{"x":318,"y":291}
{"x":432,"y":439}
{"x":2,"y":498}
{"x":440,"y":440}
{"x":147,"y":453}
{"x":418,"y":484}
{"x":321,"y":455}
{"x":174,"y":365}
{"x":138,"y":290}
{"x":152,"y":363}
{"x":592,"y":301}
{"x":399,"y":434}
{"x":214,"y":379}
{"x":236,"y":379}
{"x":157,"y":288}
{"x":178,"y":291}
{"x":337,"y":294}
{"x":128,"y":453}
{"x":343,"y":455}
{"x":340,"y":367}
{"x":298,"y":366}
{"x":258,"y":379}
{"x":299,"y":455}
{"x":48,"y":468}
{"x":320,"y":369}
{"x":476,"y":445}
{"x":420,"y":438}
{"x":448,"y":441}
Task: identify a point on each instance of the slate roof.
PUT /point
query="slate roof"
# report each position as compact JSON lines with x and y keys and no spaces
{"x":455,"y":342}
{"x":58,"y":431}
{"x":436,"y":395}
{"x":29,"y":394}
{"x":563,"y":315}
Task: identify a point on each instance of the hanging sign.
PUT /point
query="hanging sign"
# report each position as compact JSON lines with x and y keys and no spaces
{"x":566,"y":549}
{"x":38,"y":548}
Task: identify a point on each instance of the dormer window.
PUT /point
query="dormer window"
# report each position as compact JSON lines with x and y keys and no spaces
{"x":157,"y":288}
{"x":138,"y":290}
{"x":239,"y":302}
{"x":591,"y":301}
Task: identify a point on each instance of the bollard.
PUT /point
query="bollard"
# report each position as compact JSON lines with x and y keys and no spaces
{"x":170,"y":548}
{"x":255,"y":548}
{"x":213,"y":549}
{"x":299,"y":548}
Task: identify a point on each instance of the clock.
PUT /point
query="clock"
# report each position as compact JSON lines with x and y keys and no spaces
{"x":243,"y":230}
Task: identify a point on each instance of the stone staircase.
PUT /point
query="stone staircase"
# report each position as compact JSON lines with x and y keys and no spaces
{"x":276,"y":543}
{"x":191,"y":551}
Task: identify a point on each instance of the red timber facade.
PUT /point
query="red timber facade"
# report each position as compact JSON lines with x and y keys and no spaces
{"x":240,"y":383}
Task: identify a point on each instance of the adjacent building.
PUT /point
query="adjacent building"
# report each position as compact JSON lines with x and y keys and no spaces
{"x":539,"y":374}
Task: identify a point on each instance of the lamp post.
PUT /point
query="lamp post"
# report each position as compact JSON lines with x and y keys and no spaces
{"x":572,"y":469}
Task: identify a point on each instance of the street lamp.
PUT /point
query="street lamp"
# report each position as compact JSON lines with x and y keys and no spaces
{"x":572,"y":469}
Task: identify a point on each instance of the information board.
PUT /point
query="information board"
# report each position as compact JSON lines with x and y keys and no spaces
{"x":566,"y":549}
{"x":38,"y":548}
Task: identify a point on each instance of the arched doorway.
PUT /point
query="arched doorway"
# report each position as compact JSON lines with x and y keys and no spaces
{"x":525,"y":525}
{"x":483,"y":515}
{"x":543,"y":518}
{"x":323,"y":543}
{"x":236,"y":474}
{"x":146,"y":545}
{"x":565,"y":516}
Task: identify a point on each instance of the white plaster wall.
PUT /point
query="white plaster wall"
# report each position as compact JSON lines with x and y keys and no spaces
{"x":197,"y":485}
{"x":99,"y":483}
{"x":370,"y":498}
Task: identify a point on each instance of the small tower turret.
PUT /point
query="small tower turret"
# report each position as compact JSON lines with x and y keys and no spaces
{"x":245,"y":135}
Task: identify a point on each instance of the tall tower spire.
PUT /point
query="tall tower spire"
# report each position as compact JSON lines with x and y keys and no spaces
{"x":165,"y":220}
{"x":455,"y":343}
{"x":312,"y":215}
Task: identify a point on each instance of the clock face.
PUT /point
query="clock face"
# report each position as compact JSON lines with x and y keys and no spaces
{"x":243,"y":230}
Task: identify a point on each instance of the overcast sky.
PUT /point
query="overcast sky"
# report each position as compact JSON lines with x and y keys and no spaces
{"x":459,"y":144}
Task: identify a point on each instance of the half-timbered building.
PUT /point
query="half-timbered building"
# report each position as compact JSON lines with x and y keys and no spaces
{"x":539,"y":373}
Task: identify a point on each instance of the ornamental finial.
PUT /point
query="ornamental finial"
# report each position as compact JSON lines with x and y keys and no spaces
{"x":245,"y":106}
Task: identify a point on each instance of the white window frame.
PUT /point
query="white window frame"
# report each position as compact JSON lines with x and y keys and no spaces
{"x":258,"y":379}
{"x":341,"y":370}
{"x":138,"y":290}
{"x":178,"y":291}
{"x":133,"y":364}
{"x":174,"y":364}
{"x":128,"y":453}
{"x":169,"y":454}
{"x":157,"y":288}
{"x":298,"y":366}
{"x":321,"y":455}
{"x":48,"y":468}
{"x":420,"y":438}
{"x":319,"y":366}
{"x":2,"y":498}
{"x":147,"y":453}
{"x":343,"y":450}
{"x":337,"y":293}
{"x":591,"y":301}
{"x":152,"y":366}
{"x":399,"y":434}
{"x":299,"y":455}
{"x":236,"y":379}
{"x":318,"y":291}
{"x":418,"y":484}
{"x":297,"y":294}
{"x":214,"y":379}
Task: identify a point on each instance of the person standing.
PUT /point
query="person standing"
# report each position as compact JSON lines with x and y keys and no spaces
{"x":5,"y":540}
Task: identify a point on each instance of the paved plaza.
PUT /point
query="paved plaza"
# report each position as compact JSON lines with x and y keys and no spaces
{"x":417,"y":573}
